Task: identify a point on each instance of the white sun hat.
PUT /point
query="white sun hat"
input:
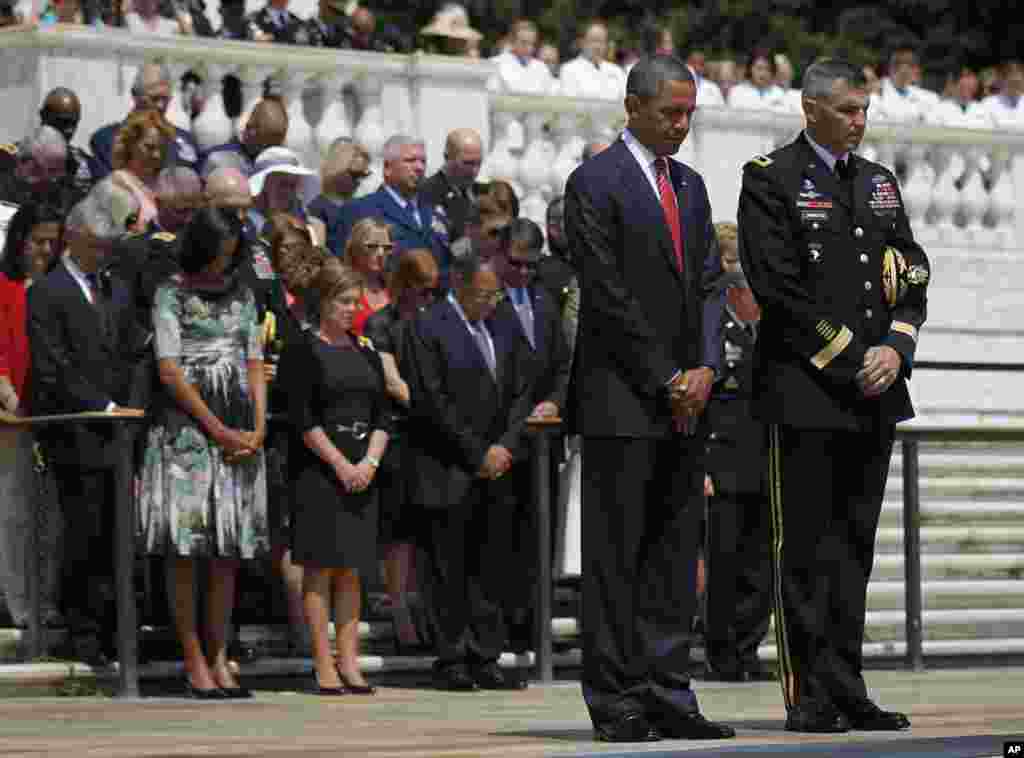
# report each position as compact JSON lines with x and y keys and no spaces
{"x":282,"y":160}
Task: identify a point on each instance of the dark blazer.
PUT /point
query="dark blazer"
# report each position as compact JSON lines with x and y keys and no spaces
{"x":292,"y":32}
{"x":813,"y":253}
{"x":78,"y":364}
{"x":405,"y":233}
{"x":447,"y":203}
{"x":184,"y":151}
{"x":547,"y":361}
{"x":458,"y":409}
{"x":329,"y":212}
{"x":640,"y":318}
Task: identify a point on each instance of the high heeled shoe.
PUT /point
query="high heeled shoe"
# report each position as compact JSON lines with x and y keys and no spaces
{"x":326,"y":691}
{"x":355,"y":689}
{"x":237,"y":693}
{"x":214,"y":693}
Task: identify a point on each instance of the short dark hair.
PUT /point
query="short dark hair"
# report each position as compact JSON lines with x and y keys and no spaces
{"x":526,"y":231}
{"x":466,"y":266}
{"x":203,"y":237}
{"x":821,"y":76}
{"x":25,"y":219}
{"x":649,"y":75}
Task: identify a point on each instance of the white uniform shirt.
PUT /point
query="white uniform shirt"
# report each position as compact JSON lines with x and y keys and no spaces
{"x":534,"y":78}
{"x":745,"y":95}
{"x":581,"y":78}
{"x":896,"y":105}
{"x":951,"y":113}
{"x":1003,"y":112}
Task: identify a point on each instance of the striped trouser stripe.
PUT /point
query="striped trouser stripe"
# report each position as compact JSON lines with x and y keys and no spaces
{"x":787,"y":676}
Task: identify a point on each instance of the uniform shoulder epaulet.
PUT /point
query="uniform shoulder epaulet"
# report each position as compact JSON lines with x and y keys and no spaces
{"x":366,"y":342}
{"x":164,"y":237}
{"x":9,"y":147}
{"x":761,"y":161}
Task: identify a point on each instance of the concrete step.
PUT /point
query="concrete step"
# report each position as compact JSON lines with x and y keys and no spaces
{"x":936,"y":511}
{"x":953,"y":566}
{"x":972,"y":463}
{"x":955,"y":594}
{"x":966,"y":538}
{"x":995,"y":487}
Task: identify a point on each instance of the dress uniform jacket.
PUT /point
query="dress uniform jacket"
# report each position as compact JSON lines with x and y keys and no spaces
{"x":449,"y":204}
{"x":818,"y":278}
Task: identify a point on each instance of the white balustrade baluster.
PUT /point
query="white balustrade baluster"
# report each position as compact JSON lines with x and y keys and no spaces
{"x":212,"y":126}
{"x":974,"y":202}
{"x":917,"y":197}
{"x":374,"y":128}
{"x":254,"y":82}
{"x":300,"y":134}
{"x":178,"y":110}
{"x":535,"y":166}
{"x":946,"y":200}
{"x":1002,"y":207}
{"x":334,"y":120}
{"x":500,"y":162}
{"x":566,"y":160}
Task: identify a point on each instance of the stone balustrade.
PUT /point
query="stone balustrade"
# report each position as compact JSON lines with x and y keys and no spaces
{"x":960,"y":187}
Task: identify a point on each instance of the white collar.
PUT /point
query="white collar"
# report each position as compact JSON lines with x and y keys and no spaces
{"x":402,"y":202}
{"x":80,"y":277}
{"x":823,"y":153}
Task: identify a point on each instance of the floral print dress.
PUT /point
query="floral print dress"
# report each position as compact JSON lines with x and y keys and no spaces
{"x":192,"y":503}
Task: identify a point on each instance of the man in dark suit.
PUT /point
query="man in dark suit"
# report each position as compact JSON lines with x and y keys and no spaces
{"x":469,"y":402}
{"x":82,"y":332}
{"x":451,"y":192}
{"x":531,"y":316}
{"x":397,"y":203}
{"x":639,"y":226}
{"x":830,"y":255}
{"x":152,"y":88}
{"x":275,"y":23}
{"x":738,"y":597}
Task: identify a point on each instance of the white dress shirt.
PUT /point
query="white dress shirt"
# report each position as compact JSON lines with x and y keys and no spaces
{"x":80,"y":278}
{"x":474,"y":329}
{"x":897,"y":105}
{"x":646,"y":159}
{"x":1003,"y":112}
{"x":582,"y":78}
{"x":952,"y":113}
{"x":746,"y":95}
{"x":531,"y":77}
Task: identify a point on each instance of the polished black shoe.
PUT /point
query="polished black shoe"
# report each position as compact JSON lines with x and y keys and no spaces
{"x":816,"y":718}
{"x":214,"y":693}
{"x":454,"y":678}
{"x":866,"y":716}
{"x":490,"y":676}
{"x":356,"y":689}
{"x":237,"y":693}
{"x":724,"y":673}
{"x":633,"y":727}
{"x":691,"y":726}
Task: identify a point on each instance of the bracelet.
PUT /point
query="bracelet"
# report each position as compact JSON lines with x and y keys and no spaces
{"x":375,"y":462}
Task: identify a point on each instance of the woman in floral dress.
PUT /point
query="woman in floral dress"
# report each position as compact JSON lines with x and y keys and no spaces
{"x":204,"y":476}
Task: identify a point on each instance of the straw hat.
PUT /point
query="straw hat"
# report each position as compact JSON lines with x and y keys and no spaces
{"x":452,"y":22}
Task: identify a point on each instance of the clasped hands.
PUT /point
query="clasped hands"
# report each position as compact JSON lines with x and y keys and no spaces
{"x":355,"y":477}
{"x":238,"y":444}
{"x":688,"y":394}
{"x":497,"y":461}
{"x":881,"y":368}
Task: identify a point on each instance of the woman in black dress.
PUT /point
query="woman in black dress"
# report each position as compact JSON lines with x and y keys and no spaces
{"x":339,"y":409}
{"x":413,"y":285}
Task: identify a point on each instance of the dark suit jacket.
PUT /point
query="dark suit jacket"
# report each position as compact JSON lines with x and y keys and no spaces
{"x":405,"y":234}
{"x":458,"y":409}
{"x":546,"y":363}
{"x":184,"y":151}
{"x":77,"y":364}
{"x":819,"y":283}
{"x":640,"y":318}
{"x":329,"y":212}
{"x":437,"y":192}
{"x":292,"y":32}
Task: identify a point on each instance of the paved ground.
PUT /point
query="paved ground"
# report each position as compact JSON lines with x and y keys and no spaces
{"x":955,"y":713}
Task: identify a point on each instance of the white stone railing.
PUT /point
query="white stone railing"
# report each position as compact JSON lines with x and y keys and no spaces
{"x":329,"y":93}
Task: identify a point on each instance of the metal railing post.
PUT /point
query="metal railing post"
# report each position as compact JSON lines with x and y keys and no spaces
{"x":124,"y":565}
{"x":912,"y":553}
{"x":542,"y":496}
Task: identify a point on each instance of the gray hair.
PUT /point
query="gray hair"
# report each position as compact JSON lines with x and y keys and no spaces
{"x":151,"y":73}
{"x":649,"y":75}
{"x":394,"y":145}
{"x":820,"y":78}
{"x":176,"y":179}
{"x":45,"y":139}
{"x":104,"y":210}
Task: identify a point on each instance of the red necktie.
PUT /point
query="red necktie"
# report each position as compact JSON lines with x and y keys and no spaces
{"x":668,"y":205}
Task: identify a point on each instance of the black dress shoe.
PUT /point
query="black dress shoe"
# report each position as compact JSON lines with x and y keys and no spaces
{"x":237,"y":693}
{"x":454,"y":678}
{"x":692,"y":726}
{"x":633,"y":727}
{"x":356,"y":689}
{"x":490,"y":676}
{"x":214,"y":693}
{"x":816,"y":718}
{"x":724,"y":673}
{"x":866,"y":716}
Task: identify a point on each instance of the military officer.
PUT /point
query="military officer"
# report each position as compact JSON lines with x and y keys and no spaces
{"x":738,"y":601}
{"x":828,"y":250}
